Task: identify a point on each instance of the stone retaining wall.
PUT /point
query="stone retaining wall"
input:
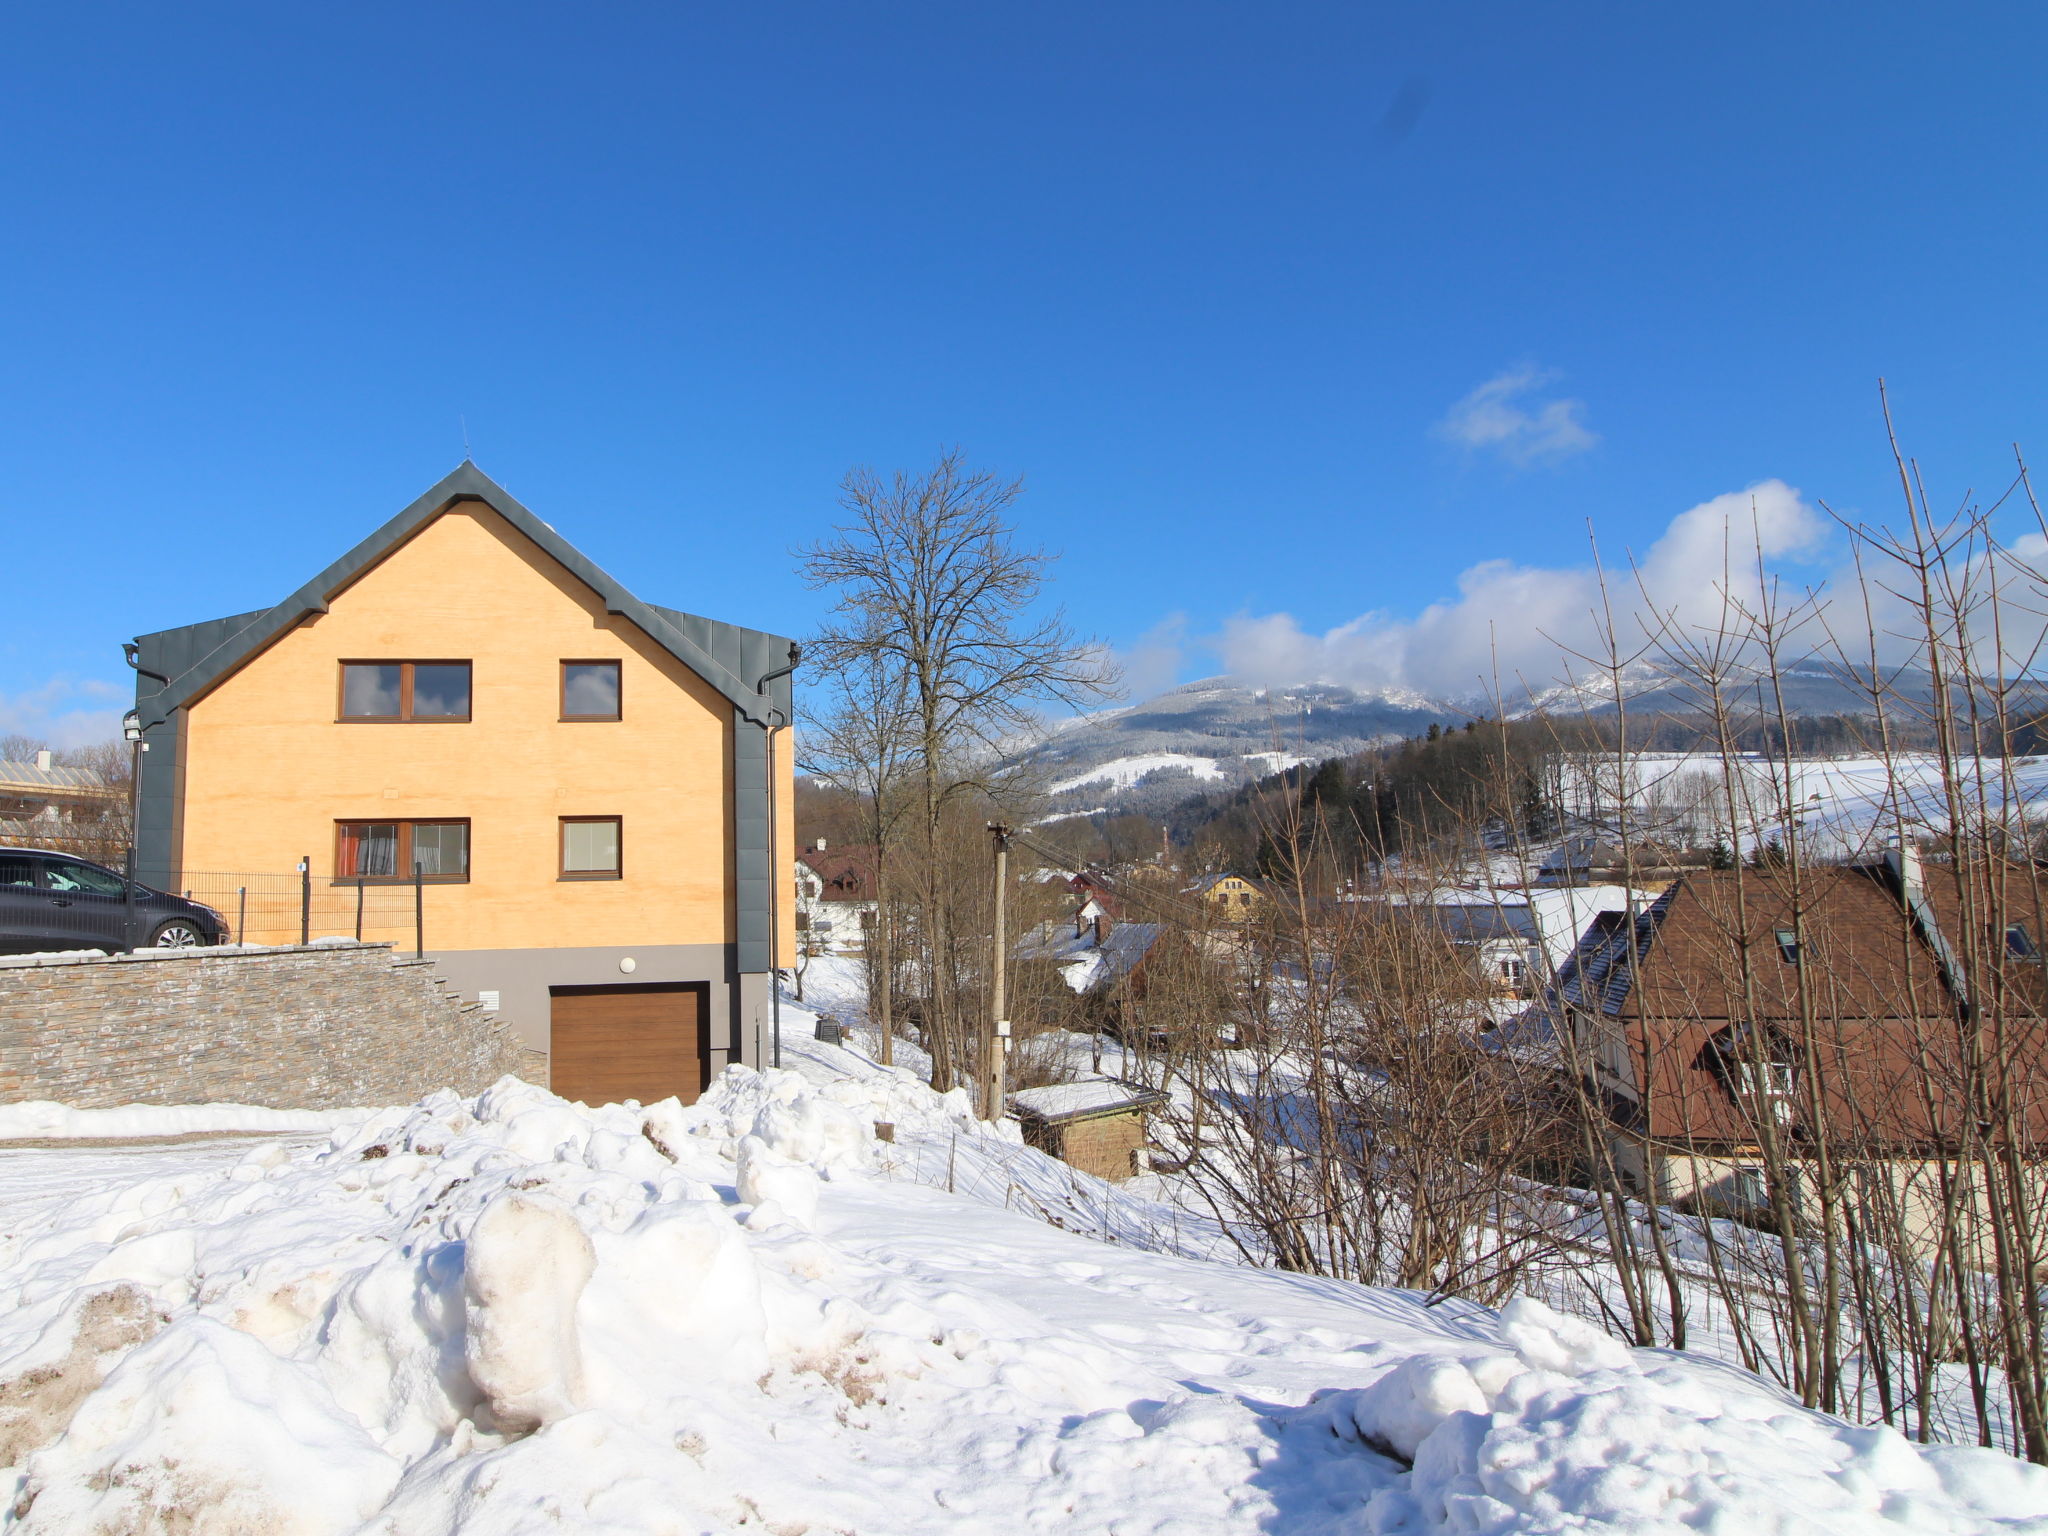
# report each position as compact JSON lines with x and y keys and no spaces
{"x":316,"y":1026}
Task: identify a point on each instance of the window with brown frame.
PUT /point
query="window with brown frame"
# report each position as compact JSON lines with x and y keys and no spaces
{"x":592,"y":848}
{"x":385,"y":851}
{"x":408,"y":692}
{"x":590,"y":690}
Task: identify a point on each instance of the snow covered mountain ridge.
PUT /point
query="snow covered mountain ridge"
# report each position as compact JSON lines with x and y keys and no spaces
{"x":1220,"y":731}
{"x":509,"y":1314}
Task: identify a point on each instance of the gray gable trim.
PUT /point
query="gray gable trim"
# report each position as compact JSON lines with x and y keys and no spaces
{"x":729,"y":658}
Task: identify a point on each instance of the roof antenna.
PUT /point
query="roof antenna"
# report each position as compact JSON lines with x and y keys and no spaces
{"x":465,"y":436}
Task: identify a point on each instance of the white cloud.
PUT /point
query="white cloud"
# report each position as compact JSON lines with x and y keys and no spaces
{"x":1514,"y":624}
{"x":65,"y":712}
{"x":1151,"y":664}
{"x":1507,"y":415}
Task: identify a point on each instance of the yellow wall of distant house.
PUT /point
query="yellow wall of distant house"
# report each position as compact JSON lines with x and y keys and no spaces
{"x":267,"y":769}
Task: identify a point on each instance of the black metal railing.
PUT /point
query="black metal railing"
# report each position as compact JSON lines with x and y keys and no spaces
{"x":298,"y":906}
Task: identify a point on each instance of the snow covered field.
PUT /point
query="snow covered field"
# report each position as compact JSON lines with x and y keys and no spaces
{"x":1127,"y":771}
{"x":1843,"y":806}
{"x":511,"y":1314}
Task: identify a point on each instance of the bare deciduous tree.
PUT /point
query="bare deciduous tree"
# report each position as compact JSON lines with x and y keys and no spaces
{"x":936,"y":638}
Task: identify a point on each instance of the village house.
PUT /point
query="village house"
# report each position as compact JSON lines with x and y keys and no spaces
{"x":835,"y":898}
{"x":1091,"y":968}
{"x":1232,"y":898}
{"x":1736,"y":1010}
{"x":588,"y":788}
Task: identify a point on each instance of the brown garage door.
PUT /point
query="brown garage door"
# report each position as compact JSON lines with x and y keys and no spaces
{"x":615,"y":1043}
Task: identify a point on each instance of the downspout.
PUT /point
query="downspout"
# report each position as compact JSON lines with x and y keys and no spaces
{"x":775,"y":875}
{"x":131,"y":652}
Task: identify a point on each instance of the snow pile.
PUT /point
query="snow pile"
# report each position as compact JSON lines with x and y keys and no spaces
{"x":43,"y":1120}
{"x":1571,"y":1431}
{"x":511,"y":1314}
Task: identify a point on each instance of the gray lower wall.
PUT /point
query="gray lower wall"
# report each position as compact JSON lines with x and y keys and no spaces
{"x":321,"y":1026}
{"x":521,"y":978}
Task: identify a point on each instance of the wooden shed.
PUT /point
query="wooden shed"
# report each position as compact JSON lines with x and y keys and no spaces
{"x":1097,"y":1125}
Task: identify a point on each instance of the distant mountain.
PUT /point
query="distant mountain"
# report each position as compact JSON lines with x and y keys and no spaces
{"x":1220,"y":732}
{"x":1213,"y":733}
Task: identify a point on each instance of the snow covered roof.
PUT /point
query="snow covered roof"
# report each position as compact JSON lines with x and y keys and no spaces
{"x":1056,"y":1103}
{"x":1471,"y":923}
{"x":1087,"y":963}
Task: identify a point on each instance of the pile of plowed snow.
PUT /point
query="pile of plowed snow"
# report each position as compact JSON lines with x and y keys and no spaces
{"x":512,"y":1314}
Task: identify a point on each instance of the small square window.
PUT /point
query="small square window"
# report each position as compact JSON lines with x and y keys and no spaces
{"x":590,"y":690}
{"x":2018,"y":942}
{"x":1788,"y":945}
{"x":397,"y":691}
{"x":590,"y":848}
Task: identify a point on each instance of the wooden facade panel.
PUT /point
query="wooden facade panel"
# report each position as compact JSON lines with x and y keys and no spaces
{"x":628,"y":1042}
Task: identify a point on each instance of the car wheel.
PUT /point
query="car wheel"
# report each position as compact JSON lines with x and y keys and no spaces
{"x":178,"y":933}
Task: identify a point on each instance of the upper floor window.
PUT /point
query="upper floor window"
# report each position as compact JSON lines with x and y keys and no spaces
{"x":388,"y":850}
{"x":405,"y":690}
{"x":590,"y":690}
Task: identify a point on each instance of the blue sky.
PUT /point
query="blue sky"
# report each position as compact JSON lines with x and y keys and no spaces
{"x":1291,"y":311}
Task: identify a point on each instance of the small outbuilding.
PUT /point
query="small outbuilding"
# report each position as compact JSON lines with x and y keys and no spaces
{"x":1097,"y":1126}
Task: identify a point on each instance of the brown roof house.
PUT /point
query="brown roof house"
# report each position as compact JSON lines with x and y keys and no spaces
{"x":835,"y":898}
{"x":1890,"y":1014}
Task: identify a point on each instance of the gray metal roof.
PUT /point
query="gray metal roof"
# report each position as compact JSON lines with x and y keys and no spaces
{"x":730,"y":658}
{"x":1477,"y":922}
{"x":15,"y":776}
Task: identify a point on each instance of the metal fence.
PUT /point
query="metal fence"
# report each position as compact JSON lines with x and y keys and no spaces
{"x":298,"y":906}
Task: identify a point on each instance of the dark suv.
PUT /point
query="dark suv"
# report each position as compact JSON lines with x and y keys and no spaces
{"x":55,"y":901}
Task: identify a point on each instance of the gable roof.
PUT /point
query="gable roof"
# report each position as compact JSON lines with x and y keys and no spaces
{"x":847,"y":874}
{"x":1863,"y":981}
{"x":731,"y":659}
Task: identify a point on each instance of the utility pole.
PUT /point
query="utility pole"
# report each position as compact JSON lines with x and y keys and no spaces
{"x":998,"y":1018}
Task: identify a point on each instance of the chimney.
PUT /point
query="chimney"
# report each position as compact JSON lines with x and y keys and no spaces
{"x":1102,"y":927}
{"x":1911,"y":875}
{"x":44,"y":759}
{"x":1080,"y":924}
{"x":818,"y":846}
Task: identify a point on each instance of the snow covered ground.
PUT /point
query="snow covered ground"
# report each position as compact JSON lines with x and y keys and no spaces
{"x":1127,"y":771}
{"x":511,"y":1314}
{"x":1843,"y":806}
{"x":39,"y":1119}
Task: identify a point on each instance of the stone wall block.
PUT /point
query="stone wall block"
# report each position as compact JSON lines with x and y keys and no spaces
{"x":304,"y":1027}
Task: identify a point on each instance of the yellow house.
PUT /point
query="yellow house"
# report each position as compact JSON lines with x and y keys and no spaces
{"x":578,"y":786}
{"x":1230,"y":897}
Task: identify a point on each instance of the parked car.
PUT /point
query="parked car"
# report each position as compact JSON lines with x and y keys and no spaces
{"x":59,"y":901}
